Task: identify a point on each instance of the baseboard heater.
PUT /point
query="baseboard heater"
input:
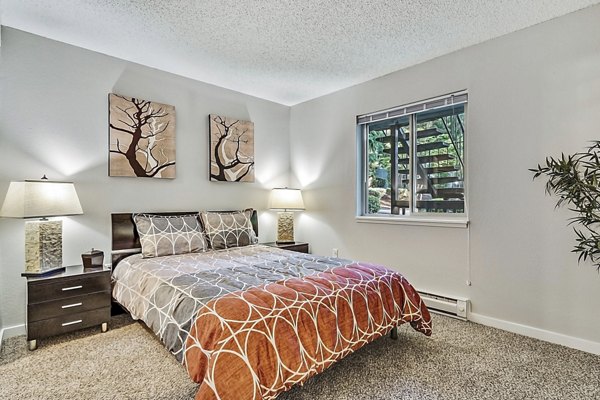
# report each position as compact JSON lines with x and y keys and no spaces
{"x":452,"y":307}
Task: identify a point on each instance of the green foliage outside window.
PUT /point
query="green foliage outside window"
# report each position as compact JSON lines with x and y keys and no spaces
{"x":377,"y":158}
{"x":374,"y":204}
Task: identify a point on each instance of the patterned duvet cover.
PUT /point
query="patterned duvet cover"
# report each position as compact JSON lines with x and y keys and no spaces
{"x":250,"y":322}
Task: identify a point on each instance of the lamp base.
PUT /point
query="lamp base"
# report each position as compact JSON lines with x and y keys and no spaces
{"x":285,"y":227}
{"x":43,"y":246}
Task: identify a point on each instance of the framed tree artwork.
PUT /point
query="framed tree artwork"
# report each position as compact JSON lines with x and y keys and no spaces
{"x":141,"y":138}
{"x":231,"y":149}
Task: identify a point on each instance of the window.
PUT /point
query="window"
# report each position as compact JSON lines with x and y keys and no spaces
{"x":413,"y":159}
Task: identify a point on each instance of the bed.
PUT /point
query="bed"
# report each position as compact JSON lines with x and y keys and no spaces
{"x":246,"y":320}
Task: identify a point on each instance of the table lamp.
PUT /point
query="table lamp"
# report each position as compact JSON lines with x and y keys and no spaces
{"x":43,"y":238}
{"x":287,"y":200}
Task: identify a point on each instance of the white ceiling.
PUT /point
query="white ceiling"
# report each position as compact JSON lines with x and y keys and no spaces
{"x":287,"y":51}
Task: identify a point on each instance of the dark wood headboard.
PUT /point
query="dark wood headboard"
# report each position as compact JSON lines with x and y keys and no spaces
{"x":126,"y":241}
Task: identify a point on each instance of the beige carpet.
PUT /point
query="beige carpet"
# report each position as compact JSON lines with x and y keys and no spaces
{"x":460,"y":361}
{"x":127,"y":362}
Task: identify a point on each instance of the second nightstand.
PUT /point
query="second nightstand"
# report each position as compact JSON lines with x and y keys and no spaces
{"x":300,"y":247}
{"x":67,"y":301}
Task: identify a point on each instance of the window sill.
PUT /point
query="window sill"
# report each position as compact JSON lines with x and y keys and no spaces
{"x":420,"y":221}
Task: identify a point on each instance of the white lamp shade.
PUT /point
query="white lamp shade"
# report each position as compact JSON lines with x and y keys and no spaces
{"x":286,"y":199}
{"x":37,"y":199}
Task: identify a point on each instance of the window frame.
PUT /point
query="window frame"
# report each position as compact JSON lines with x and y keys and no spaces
{"x":459,"y":220}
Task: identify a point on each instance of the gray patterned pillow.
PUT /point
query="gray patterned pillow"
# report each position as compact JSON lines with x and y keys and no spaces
{"x":162,"y":235}
{"x":228,"y":229}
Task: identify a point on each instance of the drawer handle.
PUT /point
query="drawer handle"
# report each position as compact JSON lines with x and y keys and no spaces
{"x":71,"y":288}
{"x":72,"y":305}
{"x":72,"y":322}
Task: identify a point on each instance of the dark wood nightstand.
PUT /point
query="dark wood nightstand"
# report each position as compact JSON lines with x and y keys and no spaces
{"x":67,"y":301}
{"x":300,"y":247}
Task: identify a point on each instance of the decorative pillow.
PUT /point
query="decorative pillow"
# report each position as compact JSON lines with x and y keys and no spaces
{"x":164,"y":235}
{"x":229,"y":228}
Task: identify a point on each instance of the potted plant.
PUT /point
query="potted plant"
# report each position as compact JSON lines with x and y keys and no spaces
{"x":574,"y":179}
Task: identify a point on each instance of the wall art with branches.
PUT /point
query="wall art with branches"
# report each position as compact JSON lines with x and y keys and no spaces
{"x":141,"y":138}
{"x":231,"y":149}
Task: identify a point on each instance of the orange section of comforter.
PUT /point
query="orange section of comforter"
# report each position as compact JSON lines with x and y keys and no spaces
{"x":257,"y":343}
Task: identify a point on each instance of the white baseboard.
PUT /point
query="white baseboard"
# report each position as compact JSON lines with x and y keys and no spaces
{"x":11,"y":331}
{"x":548,"y":336}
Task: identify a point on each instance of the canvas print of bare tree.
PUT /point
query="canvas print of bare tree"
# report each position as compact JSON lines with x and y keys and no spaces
{"x":141,"y":137}
{"x":231,"y":149}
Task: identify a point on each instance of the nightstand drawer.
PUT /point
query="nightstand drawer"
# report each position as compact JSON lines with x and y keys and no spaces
{"x":57,"y":289}
{"x":67,"y":323}
{"x":71,"y":305}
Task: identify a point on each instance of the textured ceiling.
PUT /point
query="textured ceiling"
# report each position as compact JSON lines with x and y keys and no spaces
{"x":287,"y":51}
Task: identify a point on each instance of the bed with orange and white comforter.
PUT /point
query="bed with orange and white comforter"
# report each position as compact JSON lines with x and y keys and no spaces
{"x":250,"y":322}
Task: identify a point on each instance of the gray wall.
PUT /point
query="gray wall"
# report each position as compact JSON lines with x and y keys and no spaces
{"x":53,"y":120}
{"x":532,"y":93}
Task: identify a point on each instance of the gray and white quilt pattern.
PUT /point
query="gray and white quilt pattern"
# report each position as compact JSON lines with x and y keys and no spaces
{"x":167,"y":292}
